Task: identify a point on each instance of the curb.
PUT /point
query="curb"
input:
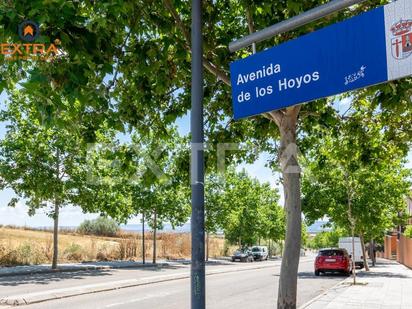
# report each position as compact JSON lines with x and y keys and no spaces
{"x":33,"y":298}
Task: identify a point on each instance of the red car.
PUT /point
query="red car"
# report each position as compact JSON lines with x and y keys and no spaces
{"x":333,"y":260}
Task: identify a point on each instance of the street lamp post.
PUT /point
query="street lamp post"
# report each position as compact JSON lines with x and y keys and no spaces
{"x":197,"y":163}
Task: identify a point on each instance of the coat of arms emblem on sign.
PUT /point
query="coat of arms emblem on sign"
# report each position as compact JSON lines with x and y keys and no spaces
{"x":402,"y":39}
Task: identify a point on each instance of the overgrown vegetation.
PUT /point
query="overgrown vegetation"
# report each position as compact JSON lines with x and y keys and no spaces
{"x":101,"y":226}
{"x":30,"y":247}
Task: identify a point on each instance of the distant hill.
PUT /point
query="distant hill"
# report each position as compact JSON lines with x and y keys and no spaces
{"x":167,"y":228}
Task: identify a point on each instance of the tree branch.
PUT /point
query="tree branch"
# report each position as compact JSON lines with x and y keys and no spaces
{"x":277,"y":117}
{"x":208,"y":65}
{"x":251,"y":26}
{"x":216,"y":71}
{"x":122,"y":47}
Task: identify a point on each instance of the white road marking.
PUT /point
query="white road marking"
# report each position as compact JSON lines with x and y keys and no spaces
{"x":135,"y":300}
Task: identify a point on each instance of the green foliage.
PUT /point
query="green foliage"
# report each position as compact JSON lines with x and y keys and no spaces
{"x":101,"y":226}
{"x":326,"y":239}
{"x":243,"y":208}
{"x":355,"y":175}
{"x":408,"y":231}
{"x":304,"y":235}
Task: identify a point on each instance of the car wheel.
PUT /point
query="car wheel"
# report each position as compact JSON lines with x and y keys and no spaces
{"x":233,"y":259}
{"x":317,"y":272}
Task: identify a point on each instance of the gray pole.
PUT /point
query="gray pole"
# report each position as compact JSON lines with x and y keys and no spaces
{"x":197,"y":164}
{"x":143,"y":244}
{"x":292,"y":23}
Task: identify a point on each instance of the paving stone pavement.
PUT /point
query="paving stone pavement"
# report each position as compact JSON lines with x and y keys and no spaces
{"x":386,"y":286}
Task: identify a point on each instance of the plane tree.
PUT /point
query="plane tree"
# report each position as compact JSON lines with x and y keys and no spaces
{"x":145,"y":173}
{"x":42,"y":160}
{"x":355,"y":176}
{"x":249,"y":210}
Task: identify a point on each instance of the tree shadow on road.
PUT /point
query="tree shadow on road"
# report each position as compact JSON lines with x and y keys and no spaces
{"x":49,"y":278}
{"x":311,"y":275}
{"x":384,"y":274}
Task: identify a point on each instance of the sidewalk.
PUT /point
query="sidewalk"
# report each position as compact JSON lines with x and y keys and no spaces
{"x":386,"y":286}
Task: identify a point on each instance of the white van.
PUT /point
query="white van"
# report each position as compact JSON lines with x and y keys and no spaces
{"x":346,"y":243}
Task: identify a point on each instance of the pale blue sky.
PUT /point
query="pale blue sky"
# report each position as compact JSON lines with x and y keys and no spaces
{"x":72,"y":216}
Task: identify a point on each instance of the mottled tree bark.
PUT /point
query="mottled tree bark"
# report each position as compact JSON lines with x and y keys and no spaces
{"x":287,"y":123}
{"x":365,"y":261}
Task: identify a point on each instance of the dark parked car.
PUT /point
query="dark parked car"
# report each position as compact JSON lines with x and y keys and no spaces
{"x":243,"y":255}
{"x":333,"y":260}
{"x":260,"y":253}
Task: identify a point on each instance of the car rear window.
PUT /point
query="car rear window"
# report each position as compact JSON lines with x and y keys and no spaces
{"x":331,"y":253}
{"x":256,"y":249}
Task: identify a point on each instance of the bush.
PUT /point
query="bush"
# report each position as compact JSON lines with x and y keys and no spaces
{"x":101,"y":227}
{"x":74,"y":252}
{"x":408,"y":231}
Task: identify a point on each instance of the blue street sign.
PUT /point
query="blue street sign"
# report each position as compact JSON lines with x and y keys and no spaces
{"x":368,"y":49}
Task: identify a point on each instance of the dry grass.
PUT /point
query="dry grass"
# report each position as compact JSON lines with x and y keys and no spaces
{"x":22,"y":246}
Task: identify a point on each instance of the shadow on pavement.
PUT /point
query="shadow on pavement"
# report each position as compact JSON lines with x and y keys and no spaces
{"x":384,"y":274}
{"x":48,"y":278}
{"x":311,"y":275}
{"x":51,"y":277}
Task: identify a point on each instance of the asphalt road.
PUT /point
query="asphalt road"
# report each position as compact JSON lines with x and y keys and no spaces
{"x":255,"y":288}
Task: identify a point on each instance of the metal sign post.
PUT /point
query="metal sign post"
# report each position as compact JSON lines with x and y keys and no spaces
{"x":292,"y":23}
{"x":197,"y":164}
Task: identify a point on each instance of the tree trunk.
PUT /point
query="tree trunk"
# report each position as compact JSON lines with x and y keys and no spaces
{"x":154,"y":236}
{"x":55,"y":234}
{"x":372,"y":252}
{"x":143,"y":241}
{"x":207,"y":246}
{"x":56,"y":216}
{"x":365,"y":261}
{"x":353,"y":257}
{"x":281,"y":248}
{"x":291,"y":184}
{"x":352,"y":224}
{"x":269,"y":249}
